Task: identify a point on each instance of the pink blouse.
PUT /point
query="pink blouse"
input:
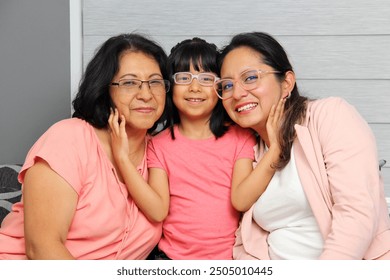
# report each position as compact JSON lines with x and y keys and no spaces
{"x":107,"y":223}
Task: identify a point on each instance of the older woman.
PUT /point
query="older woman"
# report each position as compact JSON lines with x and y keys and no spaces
{"x":75,"y":204}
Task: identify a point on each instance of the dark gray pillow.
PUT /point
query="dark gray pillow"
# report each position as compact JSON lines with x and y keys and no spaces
{"x":10,"y":188}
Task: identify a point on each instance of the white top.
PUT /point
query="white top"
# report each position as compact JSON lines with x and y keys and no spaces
{"x":283,"y":211}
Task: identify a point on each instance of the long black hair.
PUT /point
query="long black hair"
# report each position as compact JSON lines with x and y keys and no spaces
{"x":201,"y":55}
{"x":93,"y":101}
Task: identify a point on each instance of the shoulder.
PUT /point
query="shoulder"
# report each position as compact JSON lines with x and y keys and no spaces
{"x":162,"y":139}
{"x":71,"y":124}
{"x":66,"y":136}
{"x":332,"y":109}
{"x":161,"y":136}
{"x":64,"y":146}
{"x":69,"y":128}
{"x":235,"y":129}
{"x":335,"y":116}
{"x":240,"y":133}
{"x":325,"y":105}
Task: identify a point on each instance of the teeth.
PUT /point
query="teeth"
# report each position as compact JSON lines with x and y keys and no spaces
{"x":246,"y":107}
{"x":195,"y":99}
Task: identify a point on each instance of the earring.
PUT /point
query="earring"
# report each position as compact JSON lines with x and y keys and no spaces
{"x":288,"y":96}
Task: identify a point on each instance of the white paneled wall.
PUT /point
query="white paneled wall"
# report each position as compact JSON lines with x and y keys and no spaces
{"x":337,"y":47}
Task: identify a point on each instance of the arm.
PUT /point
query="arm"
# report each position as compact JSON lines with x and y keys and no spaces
{"x":153,"y":201}
{"x":350,"y":158}
{"x":246,"y":189}
{"x":49,"y":206}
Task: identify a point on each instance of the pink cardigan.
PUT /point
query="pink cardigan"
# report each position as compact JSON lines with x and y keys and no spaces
{"x":336,"y":158}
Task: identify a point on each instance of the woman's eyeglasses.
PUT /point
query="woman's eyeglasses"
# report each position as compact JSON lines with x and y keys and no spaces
{"x":249,"y":80}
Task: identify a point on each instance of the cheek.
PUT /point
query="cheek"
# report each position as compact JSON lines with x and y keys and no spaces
{"x":160,"y":104}
{"x":118,"y":100}
{"x":214,"y":100}
{"x":174,"y":97}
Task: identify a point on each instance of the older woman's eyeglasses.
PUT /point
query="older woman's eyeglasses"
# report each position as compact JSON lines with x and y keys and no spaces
{"x":186,"y":78}
{"x":249,"y":80}
{"x":132,"y":86}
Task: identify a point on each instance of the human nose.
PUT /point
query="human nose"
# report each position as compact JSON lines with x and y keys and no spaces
{"x":238,"y":90}
{"x":144,"y":92}
{"x":194,"y":85}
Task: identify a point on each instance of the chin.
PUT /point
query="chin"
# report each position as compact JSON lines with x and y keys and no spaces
{"x":246,"y":122}
{"x":143,"y":125}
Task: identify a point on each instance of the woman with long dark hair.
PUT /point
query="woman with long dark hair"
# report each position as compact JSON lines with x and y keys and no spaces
{"x":326,"y":199}
{"x":76,"y":204}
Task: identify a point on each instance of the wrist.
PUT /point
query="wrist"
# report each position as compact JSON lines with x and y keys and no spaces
{"x":274,"y":149}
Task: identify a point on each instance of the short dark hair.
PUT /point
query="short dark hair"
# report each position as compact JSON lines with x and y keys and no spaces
{"x":93,"y":101}
{"x":200,"y":54}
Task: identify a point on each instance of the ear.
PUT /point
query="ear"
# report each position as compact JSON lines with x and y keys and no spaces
{"x":288,"y":83}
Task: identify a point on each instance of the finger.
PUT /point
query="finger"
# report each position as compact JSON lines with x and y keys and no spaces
{"x":279,"y":109}
{"x":272,"y":111}
{"x":115,"y":123}
{"x":110,"y":119}
{"x":271,"y":116}
{"x":122,"y":126}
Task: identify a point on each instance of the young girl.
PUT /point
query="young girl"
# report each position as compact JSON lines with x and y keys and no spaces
{"x":196,"y":165}
{"x":198,"y":158}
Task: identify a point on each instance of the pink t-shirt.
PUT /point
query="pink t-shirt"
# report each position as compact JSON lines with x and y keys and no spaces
{"x":201,"y":221}
{"x":107,"y":224}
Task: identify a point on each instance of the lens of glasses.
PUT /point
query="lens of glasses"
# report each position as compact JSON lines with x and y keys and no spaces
{"x":185,"y":78}
{"x":224,"y":88}
{"x":182,"y":78}
{"x":206,"y":79}
{"x":249,"y":79}
{"x":157,"y":86}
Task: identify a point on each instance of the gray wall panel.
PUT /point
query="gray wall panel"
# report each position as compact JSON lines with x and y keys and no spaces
{"x":370,"y":97}
{"x":329,"y":57}
{"x":34,"y":72}
{"x":382,"y":135}
{"x":339,"y":57}
{"x":91,"y":43}
{"x":219,"y":17}
{"x":386,"y":179}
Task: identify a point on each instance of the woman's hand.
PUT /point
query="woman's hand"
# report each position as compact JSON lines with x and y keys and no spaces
{"x":119,"y":141}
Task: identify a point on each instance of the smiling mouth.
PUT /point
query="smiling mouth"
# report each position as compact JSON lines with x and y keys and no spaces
{"x":195,"y":99}
{"x":246,"y":107}
{"x":144,"y":109}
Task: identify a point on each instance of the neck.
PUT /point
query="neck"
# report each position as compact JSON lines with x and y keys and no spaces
{"x":263,"y":136}
{"x":136,"y":144}
{"x":136,"y":141}
{"x":195,"y":129}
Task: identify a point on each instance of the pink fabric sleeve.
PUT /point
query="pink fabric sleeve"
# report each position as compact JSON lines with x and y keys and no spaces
{"x":63,"y":148}
{"x":350,"y":158}
{"x":247,"y":141}
{"x":152,"y":158}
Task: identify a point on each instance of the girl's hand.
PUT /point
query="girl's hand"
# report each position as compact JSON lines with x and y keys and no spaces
{"x":274,"y":123}
{"x":119,"y":141}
